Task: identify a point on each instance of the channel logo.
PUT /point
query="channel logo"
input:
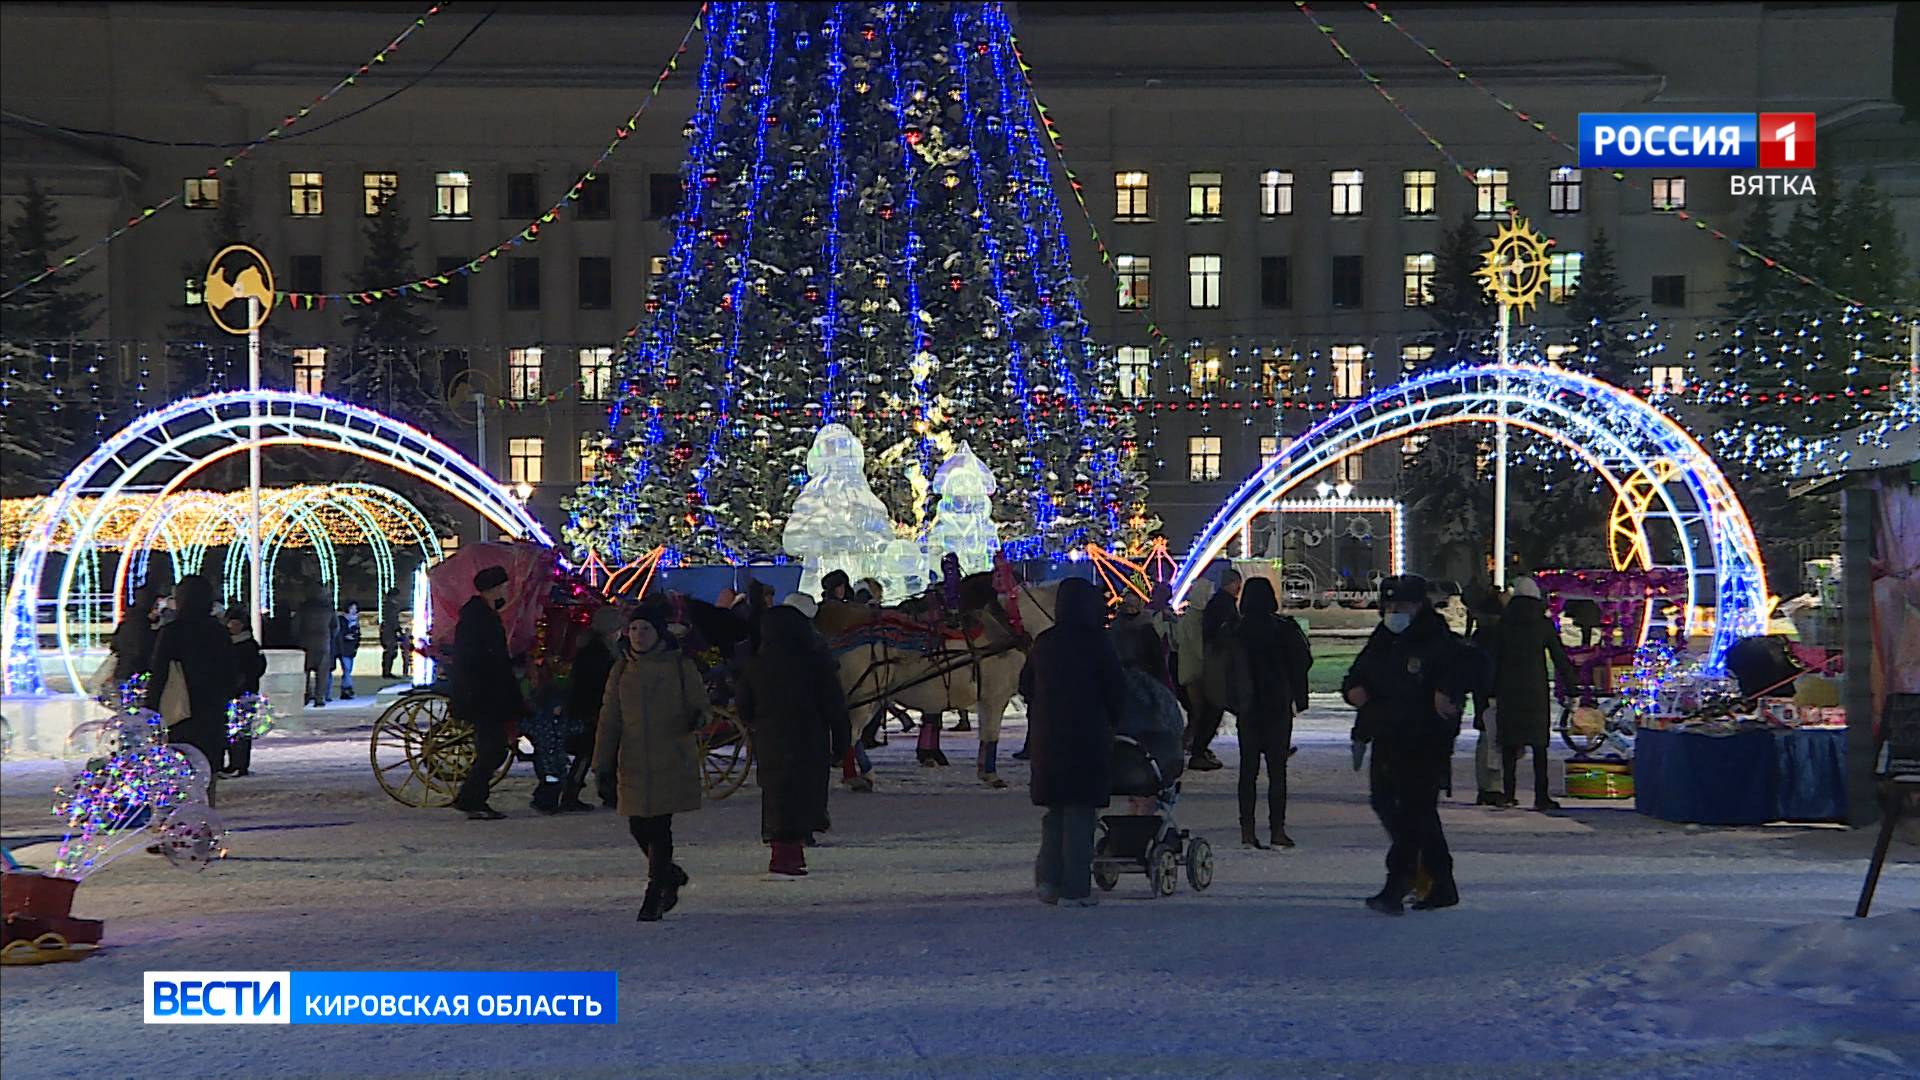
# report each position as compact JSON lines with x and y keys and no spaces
{"x":381,"y":997}
{"x":1696,"y":140}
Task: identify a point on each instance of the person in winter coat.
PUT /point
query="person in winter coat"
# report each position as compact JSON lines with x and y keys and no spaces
{"x":197,"y":642}
{"x":1189,"y":653}
{"x":249,"y":664}
{"x":1409,"y":684}
{"x":313,"y":626}
{"x":1526,"y":643}
{"x":1486,"y":720}
{"x":790,"y":698}
{"x":391,"y":639}
{"x":1151,"y":715}
{"x":346,"y":645}
{"x":1072,"y":685}
{"x":1217,"y":643}
{"x":646,"y":756}
{"x":586,"y":689}
{"x":1269,"y":686}
{"x":1135,"y":621}
{"x":133,"y":638}
{"x":484,"y":691}
{"x":836,"y":588}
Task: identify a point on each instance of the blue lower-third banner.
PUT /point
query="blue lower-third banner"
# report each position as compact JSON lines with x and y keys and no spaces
{"x":381,"y":997}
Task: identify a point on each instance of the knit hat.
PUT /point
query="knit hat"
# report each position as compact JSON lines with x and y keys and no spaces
{"x":1527,"y":587}
{"x":491,"y":577}
{"x":801,"y":603}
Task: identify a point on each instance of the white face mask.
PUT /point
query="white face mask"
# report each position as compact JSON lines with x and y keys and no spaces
{"x":1397,"y":622}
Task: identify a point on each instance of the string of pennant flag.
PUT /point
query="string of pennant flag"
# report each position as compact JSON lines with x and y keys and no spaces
{"x":1619,"y":176}
{"x":226,"y":164}
{"x":317,"y":301}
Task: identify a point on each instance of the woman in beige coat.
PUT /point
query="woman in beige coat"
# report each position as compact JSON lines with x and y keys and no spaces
{"x":646,"y":755}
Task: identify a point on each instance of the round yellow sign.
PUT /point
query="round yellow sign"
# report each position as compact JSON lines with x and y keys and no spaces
{"x":235,"y":274}
{"x":1514,"y":266}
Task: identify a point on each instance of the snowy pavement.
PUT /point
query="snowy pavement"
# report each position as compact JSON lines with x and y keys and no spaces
{"x":1598,"y":943}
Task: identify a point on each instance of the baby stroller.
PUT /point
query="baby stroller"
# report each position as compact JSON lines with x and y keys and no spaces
{"x":1151,"y":844}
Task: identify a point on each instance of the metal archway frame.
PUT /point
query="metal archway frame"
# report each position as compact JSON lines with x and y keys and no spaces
{"x":186,"y":437}
{"x":1616,"y":432}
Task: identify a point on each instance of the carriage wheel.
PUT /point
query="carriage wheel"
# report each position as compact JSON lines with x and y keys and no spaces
{"x":1163,"y":869}
{"x":1104,"y":875}
{"x":726,"y":753}
{"x":1199,"y":863}
{"x":399,"y":737}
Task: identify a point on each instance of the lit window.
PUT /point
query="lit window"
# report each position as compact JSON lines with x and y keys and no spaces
{"x":309,"y":370}
{"x":1348,"y":191}
{"x":1420,"y":188}
{"x":1203,"y":369}
{"x":1349,"y":371}
{"x":1669,"y":193}
{"x":1203,"y":281}
{"x":195,"y":294}
{"x":450,"y":191}
{"x":449,"y":545}
{"x":656,"y":267}
{"x":376,"y":188}
{"x":1135,"y":364}
{"x":1412,"y":356}
{"x":596,"y":374}
{"x":1130,"y":196}
{"x":1667,"y":380}
{"x":1272,"y":446}
{"x":1276,"y":193}
{"x":1203,"y":458}
{"x":1276,"y":378}
{"x":1557,"y":353}
{"x":593,"y":445}
{"x":1417,"y":278}
{"x":203,"y":193}
{"x":524,"y":464}
{"x":1563,"y":190}
{"x":1135,"y":273}
{"x":1410,"y":446}
{"x":523,"y":373}
{"x":1203,"y":195}
{"x":305,"y":190}
{"x":1351,"y":469}
{"x":1489,"y":193}
{"x":1563,"y":275}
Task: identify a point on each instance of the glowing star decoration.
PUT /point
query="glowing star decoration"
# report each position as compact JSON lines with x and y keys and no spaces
{"x":249,"y":716}
{"x":837,"y":522}
{"x":1514,"y":266}
{"x":963,"y":522}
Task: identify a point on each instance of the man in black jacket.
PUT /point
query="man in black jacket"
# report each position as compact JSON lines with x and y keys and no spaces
{"x":485,"y":692}
{"x":1073,"y":685}
{"x":1409,"y":684}
{"x":1218,"y":626}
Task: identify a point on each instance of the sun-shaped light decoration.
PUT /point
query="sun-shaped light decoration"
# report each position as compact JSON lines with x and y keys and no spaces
{"x":1514,"y":266}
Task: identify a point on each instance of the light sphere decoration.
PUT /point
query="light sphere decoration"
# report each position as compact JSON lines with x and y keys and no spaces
{"x":249,"y":716}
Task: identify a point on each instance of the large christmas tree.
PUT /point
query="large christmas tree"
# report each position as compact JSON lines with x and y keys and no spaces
{"x":868,"y":235}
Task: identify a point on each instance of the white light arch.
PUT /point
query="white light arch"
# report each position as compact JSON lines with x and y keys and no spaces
{"x":186,"y":437}
{"x":1612,"y":430}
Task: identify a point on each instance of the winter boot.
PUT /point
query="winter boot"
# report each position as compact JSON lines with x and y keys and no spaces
{"x":1546,"y":805}
{"x":670,"y":889}
{"x":1023,"y":754}
{"x":788,"y":860}
{"x":653,"y":905}
{"x":1249,"y":839}
{"x":1386,"y":903}
{"x":570,"y":801}
{"x":1444,"y":894}
{"x":1280,"y":837}
{"x":966,"y":722}
{"x":546,"y":795}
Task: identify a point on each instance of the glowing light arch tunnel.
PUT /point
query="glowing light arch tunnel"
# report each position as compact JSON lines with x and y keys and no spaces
{"x":162,"y":450}
{"x":1615,"y":432}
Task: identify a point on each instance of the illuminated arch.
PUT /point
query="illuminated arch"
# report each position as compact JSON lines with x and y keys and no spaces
{"x":1617,"y":433}
{"x":186,"y":437}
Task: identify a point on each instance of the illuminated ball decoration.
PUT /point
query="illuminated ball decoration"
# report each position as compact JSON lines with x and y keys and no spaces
{"x":249,"y":716}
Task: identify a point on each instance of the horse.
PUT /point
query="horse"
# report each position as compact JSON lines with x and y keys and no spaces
{"x":878,"y":672}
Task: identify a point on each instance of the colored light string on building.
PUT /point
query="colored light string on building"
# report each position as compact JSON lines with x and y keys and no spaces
{"x":286,"y":123}
{"x":531,"y":232}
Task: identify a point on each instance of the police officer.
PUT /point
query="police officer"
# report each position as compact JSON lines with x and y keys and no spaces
{"x":1409,"y":684}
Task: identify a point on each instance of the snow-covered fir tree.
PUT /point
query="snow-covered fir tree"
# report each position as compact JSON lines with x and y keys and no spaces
{"x":869,"y":234}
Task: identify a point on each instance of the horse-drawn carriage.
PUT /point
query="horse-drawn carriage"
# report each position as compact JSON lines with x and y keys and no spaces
{"x":421,"y":751}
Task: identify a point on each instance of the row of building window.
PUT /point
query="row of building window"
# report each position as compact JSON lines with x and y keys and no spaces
{"x":593,"y":282}
{"x":526,"y":372}
{"x":1134,"y":281}
{"x":1419,"y":188}
{"x":452,"y":195}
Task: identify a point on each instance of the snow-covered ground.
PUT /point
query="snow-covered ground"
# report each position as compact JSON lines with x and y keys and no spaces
{"x":1598,"y":943}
